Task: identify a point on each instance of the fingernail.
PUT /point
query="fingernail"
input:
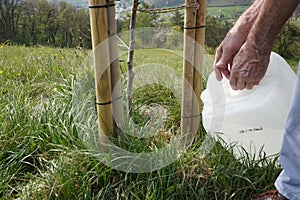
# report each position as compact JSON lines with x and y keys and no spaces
{"x":218,"y":64}
{"x":219,"y":77}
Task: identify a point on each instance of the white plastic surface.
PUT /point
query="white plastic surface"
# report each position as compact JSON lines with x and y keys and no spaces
{"x":252,"y":119}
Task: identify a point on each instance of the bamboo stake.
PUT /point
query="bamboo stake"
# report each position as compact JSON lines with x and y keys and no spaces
{"x":188,"y":70}
{"x":199,"y":57}
{"x":115,"y":68}
{"x":99,"y":31}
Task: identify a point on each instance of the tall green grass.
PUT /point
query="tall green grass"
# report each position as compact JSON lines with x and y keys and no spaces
{"x":43,"y":157}
{"x":226,"y":12}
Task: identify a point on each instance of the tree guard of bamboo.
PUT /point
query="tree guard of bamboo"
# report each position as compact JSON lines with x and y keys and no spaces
{"x":106,"y":64}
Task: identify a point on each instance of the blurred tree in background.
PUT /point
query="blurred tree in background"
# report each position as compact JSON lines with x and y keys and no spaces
{"x":288,"y":41}
{"x":43,"y":22}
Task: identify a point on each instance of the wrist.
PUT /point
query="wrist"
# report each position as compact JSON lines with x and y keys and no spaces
{"x":259,"y":49}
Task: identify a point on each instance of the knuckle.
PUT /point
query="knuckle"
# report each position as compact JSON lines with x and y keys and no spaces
{"x":220,"y":48}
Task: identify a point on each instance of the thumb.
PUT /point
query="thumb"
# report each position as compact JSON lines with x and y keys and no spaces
{"x":224,"y":60}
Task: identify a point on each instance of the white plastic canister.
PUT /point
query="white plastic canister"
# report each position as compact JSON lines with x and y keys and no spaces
{"x":252,"y":119}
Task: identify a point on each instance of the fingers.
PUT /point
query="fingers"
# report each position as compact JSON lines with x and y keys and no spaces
{"x":218,"y":73}
{"x":256,"y":82}
{"x":218,"y":54}
{"x":217,"y":69}
{"x":233,"y":83}
{"x":226,"y":73}
{"x":226,"y":58}
{"x":250,"y":85}
{"x":223,"y":58}
{"x":240,"y":84}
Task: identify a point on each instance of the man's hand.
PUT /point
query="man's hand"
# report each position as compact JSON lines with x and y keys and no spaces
{"x":234,"y":39}
{"x":244,"y":54}
{"x":226,"y":52}
{"x":248,"y":67}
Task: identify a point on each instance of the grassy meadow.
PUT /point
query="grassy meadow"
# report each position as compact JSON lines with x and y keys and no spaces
{"x":226,"y":12}
{"x":43,"y":157}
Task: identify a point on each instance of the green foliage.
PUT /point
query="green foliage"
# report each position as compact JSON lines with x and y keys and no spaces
{"x":123,"y":24}
{"x":169,"y":3}
{"x":154,"y":94}
{"x":177,"y":19}
{"x":216,"y":30}
{"x":226,"y":12}
{"x":228,"y":2}
{"x":142,"y":20}
{"x":287,"y":43}
{"x":46,"y":23}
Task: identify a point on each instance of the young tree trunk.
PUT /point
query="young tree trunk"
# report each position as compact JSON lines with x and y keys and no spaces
{"x":130,"y":56}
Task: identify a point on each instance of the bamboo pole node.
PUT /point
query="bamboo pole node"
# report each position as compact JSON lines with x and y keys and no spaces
{"x":196,"y":27}
{"x":102,"y":6}
{"x":103,"y":104}
{"x":110,"y":102}
{"x":190,"y":117}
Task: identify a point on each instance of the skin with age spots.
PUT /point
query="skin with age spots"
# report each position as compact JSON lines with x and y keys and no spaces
{"x":234,"y":40}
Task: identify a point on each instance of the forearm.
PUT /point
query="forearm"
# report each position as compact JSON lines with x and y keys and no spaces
{"x":272,"y":16}
{"x":234,"y":39}
{"x":247,"y":19}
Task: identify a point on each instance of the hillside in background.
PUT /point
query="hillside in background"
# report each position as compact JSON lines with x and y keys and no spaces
{"x":228,"y":2}
{"x":167,"y":3}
